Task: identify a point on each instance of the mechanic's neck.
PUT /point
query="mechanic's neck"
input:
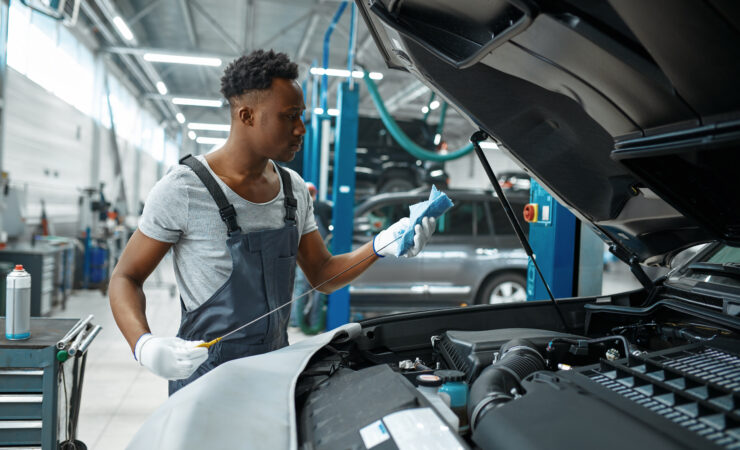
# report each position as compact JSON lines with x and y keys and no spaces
{"x":237,"y":159}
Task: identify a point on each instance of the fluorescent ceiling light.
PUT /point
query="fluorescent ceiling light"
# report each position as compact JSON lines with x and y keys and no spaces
{"x":330,"y":111}
{"x":210,"y":140}
{"x":434,"y":105}
{"x":180,"y":117}
{"x":161,"y":88}
{"x":489,"y":145}
{"x":344,"y":73}
{"x":209,"y":126}
{"x":123,"y":29}
{"x":181,"y":59}
{"x":197,"y":102}
{"x":192,"y":135}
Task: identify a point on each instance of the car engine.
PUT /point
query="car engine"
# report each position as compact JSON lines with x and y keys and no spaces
{"x":661,"y":379}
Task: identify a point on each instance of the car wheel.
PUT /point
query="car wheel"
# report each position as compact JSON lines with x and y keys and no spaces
{"x":396,"y":185}
{"x":504,"y":288}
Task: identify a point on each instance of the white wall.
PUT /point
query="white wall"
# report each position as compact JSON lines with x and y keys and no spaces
{"x":49,"y":153}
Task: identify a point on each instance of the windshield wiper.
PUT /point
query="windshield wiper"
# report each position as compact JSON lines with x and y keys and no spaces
{"x":729,"y":269}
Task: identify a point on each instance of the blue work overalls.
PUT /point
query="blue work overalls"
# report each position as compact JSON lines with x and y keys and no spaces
{"x":261,"y":280}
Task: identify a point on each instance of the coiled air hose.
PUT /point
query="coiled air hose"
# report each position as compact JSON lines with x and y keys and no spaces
{"x":404,"y":141}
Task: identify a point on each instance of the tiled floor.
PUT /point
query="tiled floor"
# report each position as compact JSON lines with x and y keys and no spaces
{"x":118,"y":395}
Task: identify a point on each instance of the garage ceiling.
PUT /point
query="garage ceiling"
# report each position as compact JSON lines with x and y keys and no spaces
{"x":229,"y":28}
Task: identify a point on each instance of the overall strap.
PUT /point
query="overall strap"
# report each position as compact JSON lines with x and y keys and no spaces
{"x":226,"y":209}
{"x":291,"y":204}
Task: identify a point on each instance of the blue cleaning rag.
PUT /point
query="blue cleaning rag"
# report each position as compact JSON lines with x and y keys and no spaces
{"x":437,"y":205}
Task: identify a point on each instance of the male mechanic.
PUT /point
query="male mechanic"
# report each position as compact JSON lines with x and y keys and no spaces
{"x":237,"y":223}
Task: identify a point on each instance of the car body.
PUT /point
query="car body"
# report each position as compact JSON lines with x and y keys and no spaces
{"x":628,"y":113}
{"x":382,"y":165}
{"x":475,"y":256}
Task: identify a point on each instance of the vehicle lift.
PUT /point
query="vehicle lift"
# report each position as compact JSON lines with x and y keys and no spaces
{"x":570,"y":255}
{"x":345,"y":150}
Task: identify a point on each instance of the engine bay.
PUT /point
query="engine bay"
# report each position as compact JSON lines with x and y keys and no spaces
{"x":661,"y":377}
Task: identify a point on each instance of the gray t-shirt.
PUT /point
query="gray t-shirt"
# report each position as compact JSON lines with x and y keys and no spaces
{"x":179,"y":210}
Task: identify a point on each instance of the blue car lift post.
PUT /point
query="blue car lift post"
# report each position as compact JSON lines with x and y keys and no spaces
{"x":343,"y":188}
{"x":568,"y":253}
{"x":313,"y":136}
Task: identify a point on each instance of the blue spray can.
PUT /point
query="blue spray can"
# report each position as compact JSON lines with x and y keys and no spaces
{"x":18,"y":304}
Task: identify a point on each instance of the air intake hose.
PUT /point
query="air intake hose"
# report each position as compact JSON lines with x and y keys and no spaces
{"x":519,"y":358}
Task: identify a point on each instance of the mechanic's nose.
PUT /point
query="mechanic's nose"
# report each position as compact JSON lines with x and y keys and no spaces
{"x":300,"y":130}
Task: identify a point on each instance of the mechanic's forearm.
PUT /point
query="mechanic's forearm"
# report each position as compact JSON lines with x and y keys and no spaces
{"x":338,"y":263}
{"x":128,"y":303}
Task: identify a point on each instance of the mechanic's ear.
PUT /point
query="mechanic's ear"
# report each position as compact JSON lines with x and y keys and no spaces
{"x":246,"y":115}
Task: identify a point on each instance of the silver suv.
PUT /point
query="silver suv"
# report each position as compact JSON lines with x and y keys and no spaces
{"x":474,"y":256}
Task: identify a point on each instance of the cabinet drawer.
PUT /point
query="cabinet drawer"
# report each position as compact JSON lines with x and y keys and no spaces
{"x":20,"y":432}
{"x":20,"y":406}
{"x":21,"y":381}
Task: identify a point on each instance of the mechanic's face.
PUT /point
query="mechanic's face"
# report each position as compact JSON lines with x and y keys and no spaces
{"x":277,"y":129}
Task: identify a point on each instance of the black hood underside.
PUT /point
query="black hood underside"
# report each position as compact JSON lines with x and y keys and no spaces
{"x":627,"y":111}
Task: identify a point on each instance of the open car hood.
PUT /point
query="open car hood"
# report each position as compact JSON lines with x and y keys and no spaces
{"x":627,"y":111}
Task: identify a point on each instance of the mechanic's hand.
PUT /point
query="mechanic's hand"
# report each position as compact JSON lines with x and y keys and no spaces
{"x":384,"y":243}
{"x":171,"y":358}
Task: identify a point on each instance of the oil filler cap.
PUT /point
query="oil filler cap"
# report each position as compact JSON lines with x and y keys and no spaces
{"x":530,"y":212}
{"x":428,"y":380}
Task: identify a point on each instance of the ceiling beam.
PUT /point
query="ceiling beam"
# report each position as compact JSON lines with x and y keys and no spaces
{"x":307,"y":35}
{"x":249,"y":45}
{"x":109,"y":11}
{"x":217,"y":28}
{"x":189,"y":25}
{"x":133,"y":69}
{"x":144,"y":11}
{"x":245,"y":31}
{"x":406,"y":95}
{"x":192,"y":37}
{"x":281,"y":32}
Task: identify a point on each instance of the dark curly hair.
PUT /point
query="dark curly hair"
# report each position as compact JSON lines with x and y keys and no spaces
{"x":256,"y":71}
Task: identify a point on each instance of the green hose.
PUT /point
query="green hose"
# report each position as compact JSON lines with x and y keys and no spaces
{"x":400,"y":137}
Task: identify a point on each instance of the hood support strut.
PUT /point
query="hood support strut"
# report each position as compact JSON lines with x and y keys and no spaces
{"x":636,"y":270}
{"x":476,"y":139}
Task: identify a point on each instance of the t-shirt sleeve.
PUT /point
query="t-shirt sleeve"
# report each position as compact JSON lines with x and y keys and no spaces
{"x":166,"y":209}
{"x":308,"y":219}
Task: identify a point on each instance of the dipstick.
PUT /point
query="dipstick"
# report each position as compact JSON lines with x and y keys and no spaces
{"x":210,"y":343}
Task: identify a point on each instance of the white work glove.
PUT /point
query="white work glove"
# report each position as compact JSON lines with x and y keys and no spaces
{"x":171,"y":358}
{"x":384,"y":244}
